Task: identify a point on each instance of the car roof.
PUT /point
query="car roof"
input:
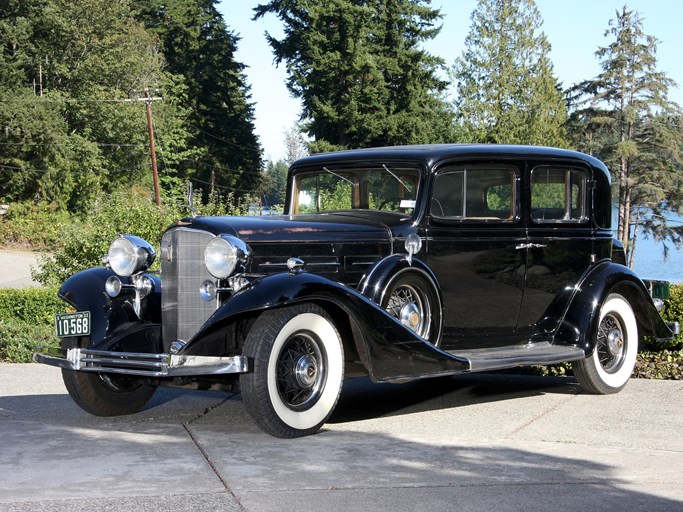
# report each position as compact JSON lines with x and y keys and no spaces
{"x":431,"y":154}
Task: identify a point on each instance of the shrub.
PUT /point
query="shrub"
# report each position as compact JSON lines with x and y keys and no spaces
{"x":673,"y":312}
{"x":19,"y":339}
{"x":132,"y":211}
{"x":33,"y":306}
{"x":27,"y":322}
{"x":35,"y":225}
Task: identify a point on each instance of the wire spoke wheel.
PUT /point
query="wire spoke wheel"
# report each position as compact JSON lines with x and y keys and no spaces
{"x":412,"y":299}
{"x":610,"y":343}
{"x":298,"y":370}
{"x":609,"y":366}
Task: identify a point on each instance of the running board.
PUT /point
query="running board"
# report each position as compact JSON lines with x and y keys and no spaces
{"x":520,"y":355}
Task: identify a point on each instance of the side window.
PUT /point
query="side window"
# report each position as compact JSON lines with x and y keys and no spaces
{"x":476,"y":192}
{"x":558,"y":195}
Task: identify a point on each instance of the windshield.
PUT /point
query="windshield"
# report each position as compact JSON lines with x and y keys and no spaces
{"x":386,"y":187}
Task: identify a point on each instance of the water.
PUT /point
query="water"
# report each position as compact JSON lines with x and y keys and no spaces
{"x":650,"y":263}
{"x":649,"y":258}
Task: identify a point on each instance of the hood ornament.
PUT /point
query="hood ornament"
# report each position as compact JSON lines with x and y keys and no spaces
{"x":190,"y":201}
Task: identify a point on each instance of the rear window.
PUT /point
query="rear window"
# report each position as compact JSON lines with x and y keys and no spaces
{"x":558,"y":195}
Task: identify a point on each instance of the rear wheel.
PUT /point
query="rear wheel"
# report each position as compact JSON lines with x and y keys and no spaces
{"x":103,"y":394}
{"x":609,"y":367}
{"x":298,"y":370}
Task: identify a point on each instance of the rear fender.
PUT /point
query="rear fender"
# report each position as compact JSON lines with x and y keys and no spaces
{"x":113,"y":319}
{"x":389,"y":350}
{"x":583,"y":313}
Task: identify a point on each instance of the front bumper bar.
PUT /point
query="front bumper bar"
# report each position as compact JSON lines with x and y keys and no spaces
{"x":145,"y":365}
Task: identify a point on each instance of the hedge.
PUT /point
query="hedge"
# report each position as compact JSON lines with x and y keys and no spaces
{"x":27,"y":321}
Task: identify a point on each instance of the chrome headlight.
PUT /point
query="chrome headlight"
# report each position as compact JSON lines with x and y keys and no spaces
{"x":130,"y":254}
{"x":223,"y":254}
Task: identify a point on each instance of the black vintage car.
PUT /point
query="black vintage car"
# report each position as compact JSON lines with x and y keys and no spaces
{"x":398,"y":263}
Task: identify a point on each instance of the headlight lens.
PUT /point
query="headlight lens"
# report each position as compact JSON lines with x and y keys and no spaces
{"x":129,"y":254}
{"x":223,"y":254}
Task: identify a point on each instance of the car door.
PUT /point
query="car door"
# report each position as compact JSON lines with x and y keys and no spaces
{"x":473,"y":229}
{"x":559,"y":246}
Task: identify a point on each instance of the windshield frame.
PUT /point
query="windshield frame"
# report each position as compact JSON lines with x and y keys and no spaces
{"x":382,"y":186}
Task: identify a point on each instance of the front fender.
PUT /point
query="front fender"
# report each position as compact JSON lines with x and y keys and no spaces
{"x":583,"y":313}
{"x":389,"y":350}
{"x":374,"y":282}
{"x":111,"y":318}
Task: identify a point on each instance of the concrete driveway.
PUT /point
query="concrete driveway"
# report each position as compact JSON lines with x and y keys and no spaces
{"x":474,"y":442}
{"x":15,"y":268}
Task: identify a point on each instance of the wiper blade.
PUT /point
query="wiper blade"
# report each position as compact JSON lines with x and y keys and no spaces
{"x":397,"y":178}
{"x":339,"y":176}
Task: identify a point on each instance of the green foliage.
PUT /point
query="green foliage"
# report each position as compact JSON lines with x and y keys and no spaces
{"x":360,"y":71}
{"x":673,"y":312}
{"x":623,"y":116}
{"x":507,"y":92}
{"x":32,"y":305}
{"x":33,"y":224}
{"x":18,"y":340}
{"x":85,"y":240}
{"x":664,"y":364}
{"x":27,"y":321}
{"x":223,"y":151}
{"x":68,"y":73}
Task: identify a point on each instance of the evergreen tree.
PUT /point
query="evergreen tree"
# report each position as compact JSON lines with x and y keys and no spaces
{"x":197,"y":44}
{"x":66,"y":70}
{"x":507,"y":92}
{"x":639,"y":130}
{"x":359,"y":71}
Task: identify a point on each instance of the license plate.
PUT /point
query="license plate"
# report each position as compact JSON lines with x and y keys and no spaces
{"x":73,"y":324}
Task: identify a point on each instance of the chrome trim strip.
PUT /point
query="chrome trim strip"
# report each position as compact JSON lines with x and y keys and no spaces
{"x":135,"y":363}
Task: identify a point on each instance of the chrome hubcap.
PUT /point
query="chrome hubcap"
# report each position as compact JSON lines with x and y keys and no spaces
{"x":410,"y":316}
{"x":306,"y":371}
{"x":611,"y":344}
{"x":615,"y":342}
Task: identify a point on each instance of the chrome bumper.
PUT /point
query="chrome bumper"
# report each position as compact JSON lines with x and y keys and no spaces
{"x":146,"y":365}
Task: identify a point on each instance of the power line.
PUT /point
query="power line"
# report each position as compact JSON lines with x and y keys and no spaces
{"x":27,"y":169}
{"x":102,"y":144}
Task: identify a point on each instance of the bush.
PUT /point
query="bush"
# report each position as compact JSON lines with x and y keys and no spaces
{"x":673,"y":312}
{"x":84,"y":241}
{"x":35,"y":225}
{"x":34,"y":306}
{"x":19,"y":339}
{"x":665,"y":364}
{"x":27,"y":322}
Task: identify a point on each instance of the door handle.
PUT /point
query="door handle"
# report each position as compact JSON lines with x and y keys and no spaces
{"x":530,"y":246}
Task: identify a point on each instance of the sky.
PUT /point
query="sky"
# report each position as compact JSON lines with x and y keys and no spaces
{"x":574,"y":28}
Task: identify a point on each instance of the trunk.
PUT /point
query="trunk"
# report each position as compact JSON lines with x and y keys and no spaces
{"x":634,"y":239}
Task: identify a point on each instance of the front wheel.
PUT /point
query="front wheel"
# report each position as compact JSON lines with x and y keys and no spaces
{"x":609,"y":367}
{"x":103,"y":394}
{"x":298,"y":369}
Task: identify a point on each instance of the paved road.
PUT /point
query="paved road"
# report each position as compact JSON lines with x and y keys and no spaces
{"x":474,"y":442}
{"x":15,"y":268}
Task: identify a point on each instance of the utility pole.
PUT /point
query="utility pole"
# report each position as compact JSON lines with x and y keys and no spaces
{"x":148,"y":99}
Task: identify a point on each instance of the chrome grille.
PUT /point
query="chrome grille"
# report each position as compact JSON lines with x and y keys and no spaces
{"x":182,"y":273}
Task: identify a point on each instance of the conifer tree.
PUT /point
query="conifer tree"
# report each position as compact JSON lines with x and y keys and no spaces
{"x":638,"y":128}
{"x":359,"y":70}
{"x":507,"y":92}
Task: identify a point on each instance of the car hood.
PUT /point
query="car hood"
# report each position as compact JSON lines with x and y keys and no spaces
{"x":329,"y":227}
{"x":342,"y":246}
